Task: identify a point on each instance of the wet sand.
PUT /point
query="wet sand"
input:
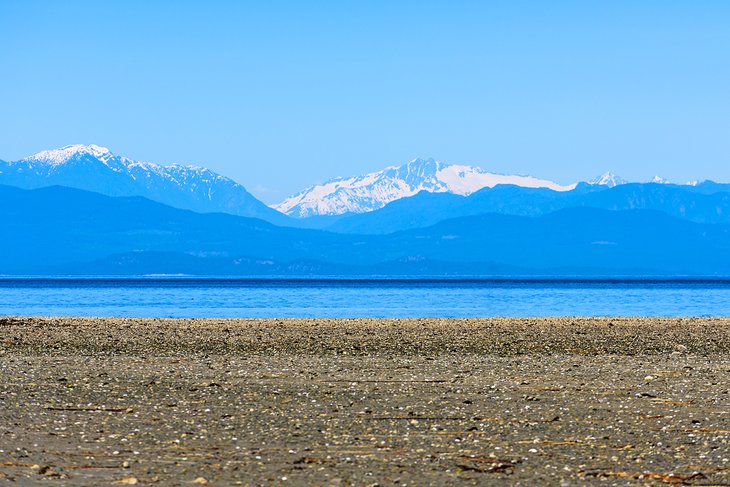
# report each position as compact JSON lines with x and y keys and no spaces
{"x":559,"y":401}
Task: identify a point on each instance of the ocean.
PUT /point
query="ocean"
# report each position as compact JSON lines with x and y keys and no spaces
{"x":351,"y":298}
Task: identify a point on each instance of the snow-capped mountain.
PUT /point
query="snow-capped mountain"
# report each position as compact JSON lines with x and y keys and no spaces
{"x":608,"y":179}
{"x":361,"y":194}
{"x":97,"y":169}
{"x":659,"y":180}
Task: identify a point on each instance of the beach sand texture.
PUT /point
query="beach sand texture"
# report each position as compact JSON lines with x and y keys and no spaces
{"x":553,"y":401}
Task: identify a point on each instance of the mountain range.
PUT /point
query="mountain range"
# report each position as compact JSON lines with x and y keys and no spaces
{"x":706,"y":202}
{"x":83,"y":210}
{"x":372,"y":191}
{"x":60,"y":230}
{"x":95,"y":168}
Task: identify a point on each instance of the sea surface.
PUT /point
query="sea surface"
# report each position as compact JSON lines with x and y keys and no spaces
{"x":192,"y":298}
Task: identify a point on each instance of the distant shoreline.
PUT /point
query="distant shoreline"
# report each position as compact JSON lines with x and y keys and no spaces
{"x":339,"y":280}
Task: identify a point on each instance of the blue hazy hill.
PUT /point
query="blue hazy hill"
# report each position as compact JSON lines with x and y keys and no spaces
{"x":707,"y":202}
{"x":59,"y":225}
{"x":60,"y":230}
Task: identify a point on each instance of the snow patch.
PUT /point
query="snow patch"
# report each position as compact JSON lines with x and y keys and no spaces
{"x":360,"y":194}
{"x":65,"y":154}
{"x":608,"y":179}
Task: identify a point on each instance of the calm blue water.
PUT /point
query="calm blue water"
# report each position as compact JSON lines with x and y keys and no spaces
{"x":164,"y":297}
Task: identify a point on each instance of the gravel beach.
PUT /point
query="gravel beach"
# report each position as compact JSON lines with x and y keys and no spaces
{"x":550,"y":401}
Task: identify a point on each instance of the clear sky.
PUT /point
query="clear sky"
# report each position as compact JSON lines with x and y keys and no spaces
{"x":280,"y":95}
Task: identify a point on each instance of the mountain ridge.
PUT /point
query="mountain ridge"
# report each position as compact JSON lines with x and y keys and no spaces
{"x":368,"y":192}
{"x":334,"y":205}
{"x":51,"y":229}
{"x":96,"y":168}
{"x":704,"y":203}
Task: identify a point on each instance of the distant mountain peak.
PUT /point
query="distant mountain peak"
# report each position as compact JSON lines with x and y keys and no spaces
{"x":96,"y":168}
{"x":608,"y":179}
{"x":58,"y":157}
{"x":64,"y":154}
{"x":659,"y":180}
{"x":360,"y":194}
{"x":423,"y":160}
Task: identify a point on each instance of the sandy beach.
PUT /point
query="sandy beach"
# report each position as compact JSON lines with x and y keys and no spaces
{"x":555,"y":401}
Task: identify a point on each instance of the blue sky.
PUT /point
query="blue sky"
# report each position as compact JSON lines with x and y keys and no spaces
{"x":280,"y":95}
